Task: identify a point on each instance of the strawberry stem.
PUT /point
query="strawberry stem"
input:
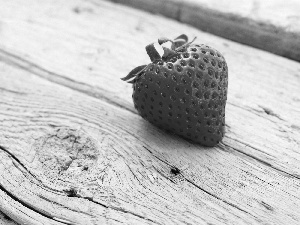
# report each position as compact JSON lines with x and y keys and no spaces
{"x":152,"y":53}
{"x":185,"y":45}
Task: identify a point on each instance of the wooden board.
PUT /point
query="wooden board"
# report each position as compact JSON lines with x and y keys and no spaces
{"x":271,"y":25}
{"x":74,"y":151}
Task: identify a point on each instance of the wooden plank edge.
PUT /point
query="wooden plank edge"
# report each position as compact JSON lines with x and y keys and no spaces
{"x":257,"y":34}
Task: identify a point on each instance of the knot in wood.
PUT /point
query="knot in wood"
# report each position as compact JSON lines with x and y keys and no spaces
{"x":66,"y":154}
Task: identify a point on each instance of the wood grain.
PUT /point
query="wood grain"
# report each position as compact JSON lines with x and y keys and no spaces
{"x":258,"y":81}
{"x":271,"y":25}
{"x":74,"y":151}
{"x":5,"y":220}
{"x":124,"y":170}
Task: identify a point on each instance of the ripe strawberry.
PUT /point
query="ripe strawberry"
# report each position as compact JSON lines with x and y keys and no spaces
{"x":184,"y":90}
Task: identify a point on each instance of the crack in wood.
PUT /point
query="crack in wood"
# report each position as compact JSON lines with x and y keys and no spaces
{"x":270,"y":112}
{"x":256,"y":158}
{"x":163,"y":175}
{"x":6,"y":217}
{"x":134,"y":214}
{"x":12,"y":91}
{"x":258,"y":112}
{"x":216,"y":197}
{"x":18,"y":164}
{"x":175,"y":171}
{"x":15,"y":198}
{"x":74,"y":193}
{"x":164,"y":161}
{"x":267,"y":206}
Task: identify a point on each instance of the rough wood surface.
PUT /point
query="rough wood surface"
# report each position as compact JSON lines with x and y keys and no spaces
{"x":5,"y":220}
{"x":74,"y":151}
{"x":272,"y":25}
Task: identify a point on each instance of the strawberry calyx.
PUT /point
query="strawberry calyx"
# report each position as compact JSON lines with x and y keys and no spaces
{"x":177,"y":45}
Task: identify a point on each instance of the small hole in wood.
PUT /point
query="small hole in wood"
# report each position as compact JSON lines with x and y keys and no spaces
{"x":85,"y":168}
{"x":71,"y":193}
{"x":175,"y":171}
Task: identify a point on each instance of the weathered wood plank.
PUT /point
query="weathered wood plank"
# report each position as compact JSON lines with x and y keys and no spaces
{"x":79,"y":160}
{"x":270,"y":25}
{"x":126,"y":172}
{"x":257,"y":84}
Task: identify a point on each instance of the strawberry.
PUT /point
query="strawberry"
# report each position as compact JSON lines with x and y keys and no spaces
{"x":183,"y":90}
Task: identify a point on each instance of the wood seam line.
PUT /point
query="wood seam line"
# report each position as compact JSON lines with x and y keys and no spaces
{"x":28,"y":66}
{"x":65,"y":193}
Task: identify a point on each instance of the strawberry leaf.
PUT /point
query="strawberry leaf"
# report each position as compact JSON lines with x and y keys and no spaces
{"x":134,"y":72}
{"x":183,"y":36}
{"x":163,"y":40}
{"x":179,"y":41}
